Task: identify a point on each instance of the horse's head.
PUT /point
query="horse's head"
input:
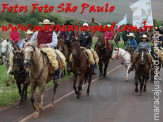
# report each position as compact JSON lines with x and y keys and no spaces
{"x":18,"y":59}
{"x":101,"y":42}
{"x":5,"y":46}
{"x":75,"y":49}
{"x":116,"y":53}
{"x":142,"y":58}
{"x":61,"y":44}
{"x":28,"y":52}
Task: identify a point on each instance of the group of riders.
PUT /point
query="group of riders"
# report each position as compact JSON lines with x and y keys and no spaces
{"x":50,"y":39}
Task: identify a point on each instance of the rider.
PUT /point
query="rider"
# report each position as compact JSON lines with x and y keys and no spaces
{"x":47,"y":39}
{"x":86,"y":41}
{"x":15,"y":36}
{"x":142,"y":45}
{"x":131,"y":41}
{"x":29,"y":34}
{"x":107,"y":36}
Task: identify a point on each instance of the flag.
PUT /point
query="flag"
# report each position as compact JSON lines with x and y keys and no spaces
{"x":123,"y":21}
{"x":142,"y":11}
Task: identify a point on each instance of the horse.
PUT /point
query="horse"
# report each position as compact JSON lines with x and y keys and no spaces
{"x":117,"y":38}
{"x":6,"y":55}
{"x":126,"y":57}
{"x":20,"y":74}
{"x":64,"y":49}
{"x":104,"y":55}
{"x":81,"y":68}
{"x":141,"y":71}
{"x":38,"y":65}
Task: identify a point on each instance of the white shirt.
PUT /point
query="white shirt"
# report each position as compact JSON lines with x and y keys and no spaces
{"x":52,"y":44}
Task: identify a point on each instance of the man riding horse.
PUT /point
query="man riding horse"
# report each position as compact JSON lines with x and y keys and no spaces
{"x":107,"y":36}
{"x":142,"y":46}
{"x":47,"y":39}
{"x":86,"y":41}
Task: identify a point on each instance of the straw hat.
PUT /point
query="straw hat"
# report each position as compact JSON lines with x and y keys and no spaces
{"x":46,"y":22}
{"x":160,"y":27}
{"x":108,"y":25}
{"x":144,"y":36}
{"x":131,"y":35}
{"x":29,"y":32}
{"x":85,"y":24}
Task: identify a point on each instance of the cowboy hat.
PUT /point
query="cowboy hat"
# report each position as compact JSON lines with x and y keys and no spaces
{"x":29,"y":32}
{"x":85,"y":24}
{"x":160,"y":27}
{"x":144,"y":36}
{"x":108,"y":25}
{"x":46,"y":22}
{"x":131,"y":35}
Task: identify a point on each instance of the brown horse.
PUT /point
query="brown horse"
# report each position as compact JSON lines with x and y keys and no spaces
{"x":20,"y":74}
{"x":64,"y":49}
{"x":81,"y":68}
{"x":141,"y":71}
{"x":38,"y":65}
{"x":104,"y":55}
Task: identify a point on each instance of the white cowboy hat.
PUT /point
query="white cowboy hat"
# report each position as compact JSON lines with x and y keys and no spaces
{"x":108,"y":25}
{"x":160,"y":27}
{"x":131,"y":34}
{"x":144,"y":36}
{"x":46,"y":22}
{"x":85,"y":24}
{"x":29,"y":32}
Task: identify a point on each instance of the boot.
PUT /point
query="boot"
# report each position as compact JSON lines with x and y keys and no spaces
{"x":131,"y":68}
{"x":94,"y":72}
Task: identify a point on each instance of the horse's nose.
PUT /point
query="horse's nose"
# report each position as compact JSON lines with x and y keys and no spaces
{"x":26,"y":63}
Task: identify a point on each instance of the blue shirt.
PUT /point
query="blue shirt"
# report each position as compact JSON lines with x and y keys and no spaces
{"x":131,"y":43}
{"x":142,"y":45}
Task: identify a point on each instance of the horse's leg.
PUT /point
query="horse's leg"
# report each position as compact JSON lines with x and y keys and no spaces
{"x":81,"y":77}
{"x":89,"y":82}
{"x":33,"y":88}
{"x":20,"y":93}
{"x":74,"y":83}
{"x":105,"y":68}
{"x":25,"y":91}
{"x":100,"y":68}
{"x":13,"y":79}
{"x":136,"y":83}
{"x":141,"y":80}
{"x":7,"y":76}
{"x":127,"y":68}
{"x":53,"y":98}
{"x":40,"y":97}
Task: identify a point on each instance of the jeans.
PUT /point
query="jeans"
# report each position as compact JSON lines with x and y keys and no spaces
{"x":17,"y":44}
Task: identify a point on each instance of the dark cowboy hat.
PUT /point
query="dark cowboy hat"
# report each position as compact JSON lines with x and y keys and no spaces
{"x":68,"y":23}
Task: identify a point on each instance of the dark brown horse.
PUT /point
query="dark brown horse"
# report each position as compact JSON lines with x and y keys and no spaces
{"x":64,"y":49}
{"x":142,"y":70}
{"x":81,"y":68}
{"x":104,"y":55}
{"x":20,"y":74}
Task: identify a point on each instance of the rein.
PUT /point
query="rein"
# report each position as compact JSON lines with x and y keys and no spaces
{"x":43,"y":67}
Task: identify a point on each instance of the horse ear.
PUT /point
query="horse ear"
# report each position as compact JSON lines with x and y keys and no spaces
{"x":115,"y":49}
{"x":8,"y":40}
{"x":34,"y":43}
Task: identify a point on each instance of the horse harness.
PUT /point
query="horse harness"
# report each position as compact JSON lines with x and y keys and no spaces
{"x":43,"y":67}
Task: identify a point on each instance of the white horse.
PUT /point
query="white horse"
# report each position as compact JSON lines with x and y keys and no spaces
{"x":124,"y":55}
{"x":6,"y":55}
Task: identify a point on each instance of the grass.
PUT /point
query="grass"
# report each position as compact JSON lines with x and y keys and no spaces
{"x":9,"y":95}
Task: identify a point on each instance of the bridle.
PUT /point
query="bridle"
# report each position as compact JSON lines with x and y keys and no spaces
{"x":43,"y":67}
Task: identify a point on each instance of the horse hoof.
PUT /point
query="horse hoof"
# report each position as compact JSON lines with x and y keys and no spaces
{"x":136,"y":90}
{"x":80,"y":93}
{"x":36,"y":115}
{"x":7,"y":84}
{"x":51,"y":106}
{"x":87,"y":94}
{"x":145,"y":90}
